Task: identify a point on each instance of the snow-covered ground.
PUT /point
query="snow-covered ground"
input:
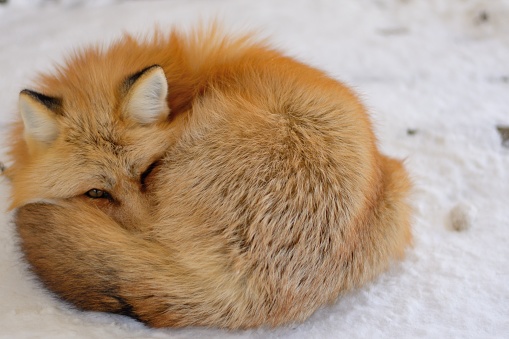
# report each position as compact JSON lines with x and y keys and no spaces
{"x":435,"y":76}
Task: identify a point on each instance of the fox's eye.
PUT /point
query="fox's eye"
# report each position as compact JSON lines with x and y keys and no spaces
{"x":147,"y":172}
{"x":95,"y":193}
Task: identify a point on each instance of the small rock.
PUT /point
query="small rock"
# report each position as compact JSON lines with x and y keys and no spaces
{"x":2,"y":167}
{"x":462,"y":216}
{"x":483,"y":16}
{"x":411,"y":131}
{"x":504,"y":134}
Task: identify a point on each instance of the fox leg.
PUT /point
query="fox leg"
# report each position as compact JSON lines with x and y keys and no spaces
{"x":91,"y":261}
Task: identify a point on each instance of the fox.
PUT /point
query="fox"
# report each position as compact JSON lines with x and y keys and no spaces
{"x":198,"y":178}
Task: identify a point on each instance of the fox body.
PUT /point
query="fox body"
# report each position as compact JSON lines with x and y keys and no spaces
{"x":196,"y":179}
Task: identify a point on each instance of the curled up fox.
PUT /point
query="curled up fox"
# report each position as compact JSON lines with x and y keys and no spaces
{"x":201,"y":179}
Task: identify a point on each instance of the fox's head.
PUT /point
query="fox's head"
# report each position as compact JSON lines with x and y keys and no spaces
{"x":101,"y":145}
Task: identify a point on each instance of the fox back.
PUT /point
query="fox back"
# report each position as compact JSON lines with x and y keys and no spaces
{"x":204,"y":180}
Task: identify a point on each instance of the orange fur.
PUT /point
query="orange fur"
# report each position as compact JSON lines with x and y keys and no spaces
{"x":269,"y":198}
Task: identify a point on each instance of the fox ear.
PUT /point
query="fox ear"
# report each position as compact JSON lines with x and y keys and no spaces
{"x":38,"y":113}
{"x":146,"y":96}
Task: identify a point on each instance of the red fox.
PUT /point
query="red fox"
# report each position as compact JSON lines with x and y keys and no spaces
{"x":197,"y":179}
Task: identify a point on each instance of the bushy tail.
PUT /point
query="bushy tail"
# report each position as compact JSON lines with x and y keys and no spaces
{"x":91,"y":261}
{"x":385,"y":233}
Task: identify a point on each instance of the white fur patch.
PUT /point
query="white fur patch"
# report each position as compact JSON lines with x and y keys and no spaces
{"x":38,"y":120}
{"x":147,"y":98}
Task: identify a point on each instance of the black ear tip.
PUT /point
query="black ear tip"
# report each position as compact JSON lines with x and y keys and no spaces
{"x":154,"y":66}
{"x":132,"y":79}
{"x":51,"y":103}
{"x":148,"y":69}
{"x":28,"y":92}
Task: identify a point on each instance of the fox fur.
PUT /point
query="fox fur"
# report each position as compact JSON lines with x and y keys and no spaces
{"x":201,"y":179}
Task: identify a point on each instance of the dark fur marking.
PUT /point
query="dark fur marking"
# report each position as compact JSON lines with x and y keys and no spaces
{"x":348,"y":261}
{"x":147,"y":172}
{"x":53,"y":104}
{"x":132,"y":79}
{"x":126,"y":308}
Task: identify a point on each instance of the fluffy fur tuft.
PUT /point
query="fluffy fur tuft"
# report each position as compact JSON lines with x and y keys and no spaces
{"x":228,"y":186}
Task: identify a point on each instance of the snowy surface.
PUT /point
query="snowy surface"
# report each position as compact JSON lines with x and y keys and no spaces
{"x":434,"y":74}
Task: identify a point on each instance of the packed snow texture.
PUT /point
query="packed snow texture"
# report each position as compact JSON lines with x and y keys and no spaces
{"x":435,"y":77}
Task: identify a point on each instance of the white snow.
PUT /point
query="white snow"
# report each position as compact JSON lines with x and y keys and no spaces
{"x":435,"y":76}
